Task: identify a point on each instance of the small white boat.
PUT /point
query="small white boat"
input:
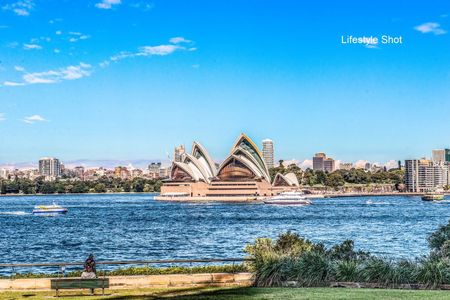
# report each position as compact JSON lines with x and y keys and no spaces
{"x":49,"y":210}
{"x":288,"y":198}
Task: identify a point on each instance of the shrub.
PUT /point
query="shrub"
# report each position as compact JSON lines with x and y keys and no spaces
{"x":433,"y":272}
{"x":311,"y":269}
{"x":377,"y":270}
{"x":438,"y":238}
{"x":345,"y":270}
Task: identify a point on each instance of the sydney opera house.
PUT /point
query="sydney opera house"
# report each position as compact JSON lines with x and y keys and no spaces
{"x":241,"y":176}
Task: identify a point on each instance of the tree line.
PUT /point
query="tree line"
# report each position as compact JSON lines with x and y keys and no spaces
{"x":101,"y":185}
{"x":339,"y":178}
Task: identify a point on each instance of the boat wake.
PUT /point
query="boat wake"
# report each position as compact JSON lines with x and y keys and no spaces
{"x":14,"y":213}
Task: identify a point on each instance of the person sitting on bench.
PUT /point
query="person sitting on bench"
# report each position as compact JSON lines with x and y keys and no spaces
{"x":89,"y":268}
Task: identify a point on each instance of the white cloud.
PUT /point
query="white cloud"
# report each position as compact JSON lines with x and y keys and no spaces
{"x":179,"y":39}
{"x":307,"y":163}
{"x":33,"y":119}
{"x":430,"y":27}
{"x":107,"y":4}
{"x":54,"y":76}
{"x":12,"y":83}
{"x":58,"y":32}
{"x":19,"y":68}
{"x":20,"y":8}
{"x":391,"y":164}
{"x":104,"y":64}
{"x":160,"y":50}
{"x":360,"y":163}
{"x":2,"y":117}
{"x":78,"y":36}
{"x":31,"y":46}
{"x":56,"y":50}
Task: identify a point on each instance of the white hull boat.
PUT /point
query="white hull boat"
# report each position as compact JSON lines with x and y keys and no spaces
{"x":288,"y":198}
{"x":49,"y":210}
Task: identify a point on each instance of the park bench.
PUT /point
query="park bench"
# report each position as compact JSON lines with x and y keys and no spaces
{"x":79,"y":283}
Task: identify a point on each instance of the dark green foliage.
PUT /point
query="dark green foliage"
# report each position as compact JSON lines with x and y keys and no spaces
{"x":345,"y":270}
{"x":101,"y":185}
{"x":293,"y":258}
{"x":438,"y":241}
{"x":345,"y":251}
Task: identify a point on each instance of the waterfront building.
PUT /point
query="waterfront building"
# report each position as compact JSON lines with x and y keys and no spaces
{"x":178,"y":153}
{"x":268,"y":153}
{"x":242,"y":175}
{"x":50,"y":168}
{"x":318,"y":160}
{"x":447,"y":155}
{"x":323,"y":163}
{"x":423,"y":175}
{"x":329,"y":165}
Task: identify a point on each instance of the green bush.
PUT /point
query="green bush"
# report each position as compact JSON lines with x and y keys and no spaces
{"x":434,"y":272}
{"x":292,"y":258}
{"x":345,"y":270}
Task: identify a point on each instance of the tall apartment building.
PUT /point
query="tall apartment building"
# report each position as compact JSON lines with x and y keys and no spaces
{"x":447,"y":155}
{"x":323,"y":163}
{"x":178,"y":153}
{"x":50,"y":167}
{"x":422,"y":175}
{"x":268,"y":153}
{"x":329,"y":165}
{"x":318,"y":161}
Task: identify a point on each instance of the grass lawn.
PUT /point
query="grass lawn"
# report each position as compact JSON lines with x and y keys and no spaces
{"x":240,"y":293}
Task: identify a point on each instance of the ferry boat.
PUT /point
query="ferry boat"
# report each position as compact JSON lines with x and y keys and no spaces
{"x":433,"y":197}
{"x":49,"y":210}
{"x":288,"y":198}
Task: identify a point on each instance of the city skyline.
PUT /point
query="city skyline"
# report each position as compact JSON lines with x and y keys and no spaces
{"x":136,"y":78}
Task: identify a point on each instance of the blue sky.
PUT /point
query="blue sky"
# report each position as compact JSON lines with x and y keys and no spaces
{"x":111,"y":79}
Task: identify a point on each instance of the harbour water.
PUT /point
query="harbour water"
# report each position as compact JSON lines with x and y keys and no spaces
{"x":134,"y":226}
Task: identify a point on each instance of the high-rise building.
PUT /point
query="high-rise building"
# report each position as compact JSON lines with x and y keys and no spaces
{"x":178,"y":153}
{"x":268,"y":153}
{"x":329,"y":165}
{"x":318,"y":160}
{"x":447,"y":155}
{"x":50,"y":167}
{"x":422,"y":175}
{"x":439,"y":155}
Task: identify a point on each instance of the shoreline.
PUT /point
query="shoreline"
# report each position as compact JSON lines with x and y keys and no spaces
{"x":225,"y":199}
{"x":65,"y":194}
{"x":260,"y":199}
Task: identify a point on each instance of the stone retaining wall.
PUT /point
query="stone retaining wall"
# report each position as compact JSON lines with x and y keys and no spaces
{"x":144,"y":281}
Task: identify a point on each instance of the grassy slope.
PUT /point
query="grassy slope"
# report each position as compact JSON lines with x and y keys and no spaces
{"x":242,"y":293}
